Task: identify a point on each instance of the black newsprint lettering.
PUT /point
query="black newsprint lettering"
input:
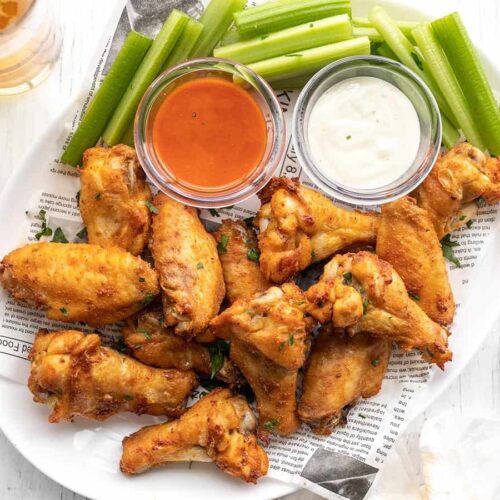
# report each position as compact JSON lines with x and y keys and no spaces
{"x":284,"y":99}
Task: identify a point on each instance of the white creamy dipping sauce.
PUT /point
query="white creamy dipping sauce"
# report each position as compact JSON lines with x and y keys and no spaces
{"x":363,"y":133}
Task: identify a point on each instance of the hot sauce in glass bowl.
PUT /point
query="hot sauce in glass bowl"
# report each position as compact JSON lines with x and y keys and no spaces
{"x":210,"y":133}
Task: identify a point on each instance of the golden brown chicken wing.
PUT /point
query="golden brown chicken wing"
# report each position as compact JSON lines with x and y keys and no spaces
{"x":79,"y":282}
{"x":407,"y":240}
{"x":299,"y":226}
{"x":114,"y":197}
{"x":156,"y":345}
{"x":190,"y":272}
{"x":459,"y":177}
{"x":363,"y":293}
{"x":269,"y":341}
{"x":76,"y":376}
{"x":220,"y":427}
{"x":239,"y":256}
{"x":339,"y":370}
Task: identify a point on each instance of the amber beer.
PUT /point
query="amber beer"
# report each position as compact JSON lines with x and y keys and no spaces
{"x":29,"y":44}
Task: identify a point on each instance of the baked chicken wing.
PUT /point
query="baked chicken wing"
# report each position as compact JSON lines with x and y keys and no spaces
{"x":220,"y":427}
{"x":76,"y":376}
{"x":79,"y":282}
{"x":113,"y":198}
{"x":459,"y":177}
{"x":239,"y":256}
{"x":363,"y":293}
{"x":339,"y":370}
{"x":299,"y":226}
{"x":407,"y":240}
{"x":154,"y":344}
{"x":269,"y":339}
{"x":190,"y":272}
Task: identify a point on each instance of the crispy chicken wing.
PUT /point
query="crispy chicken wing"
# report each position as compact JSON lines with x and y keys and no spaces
{"x":363,"y":293}
{"x":76,"y":376}
{"x":299,"y":226}
{"x":220,"y":427}
{"x":190,"y":272}
{"x":79,"y":282}
{"x":156,"y":345}
{"x":240,"y":260}
{"x":113,"y":198}
{"x":269,"y":341}
{"x":339,"y":370}
{"x":407,"y":240}
{"x":459,"y":177}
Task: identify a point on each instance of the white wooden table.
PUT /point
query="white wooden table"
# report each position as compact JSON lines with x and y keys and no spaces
{"x":24,"y":118}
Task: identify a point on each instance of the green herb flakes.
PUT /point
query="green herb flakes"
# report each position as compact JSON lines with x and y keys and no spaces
{"x":59,"y":236}
{"x":414,"y":296}
{"x":447,"y":245}
{"x":148,"y":298}
{"x":152,"y":208}
{"x":271,"y":424}
{"x":200,"y":265}
{"x":64,"y":311}
{"x":218,"y":351}
{"x":222,"y":245}
{"x":82,"y":234}
{"x":253,"y":254}
{"x":347,"y":278}
{"x":375,"y":362}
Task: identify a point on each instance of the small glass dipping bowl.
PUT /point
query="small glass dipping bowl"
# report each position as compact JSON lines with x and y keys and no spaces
{"x":407,"y":82}
{"x":204,"y":197}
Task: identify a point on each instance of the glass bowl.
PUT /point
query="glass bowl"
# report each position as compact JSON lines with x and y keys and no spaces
{"x":408,"y":83}
{"x":158,"y":172}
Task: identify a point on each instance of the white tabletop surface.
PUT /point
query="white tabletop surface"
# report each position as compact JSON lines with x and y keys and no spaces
{"x":24,"y":118}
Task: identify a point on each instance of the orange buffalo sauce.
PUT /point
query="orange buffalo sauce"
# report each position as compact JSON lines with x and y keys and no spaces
{"x":209,"y":133}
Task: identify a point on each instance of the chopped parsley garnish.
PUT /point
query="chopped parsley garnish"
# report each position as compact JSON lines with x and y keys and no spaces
{"x":78,"y":199}
{"x":222,"y":245}
{"x":375,"y":362}
{"x":120,"y":346}
{"x":291,"y":339}
{"x":347,"y":278}
{"x":366,"y":303}
{"x":45,"y":230}
{"x":313,"y":254}
{"x":152,"y":208}
{"x":82,"y":234}
{"x":213,"y":212}
{"x":141,"y":279}
{"x":463,"y":217}
{"x":59,"y":236}
{"x":253,"y":254}
{"x":98,"y":196}
{"x":218,"y":351}
{"x":348,"y":137}
{"x":64,"y":311}
{"x":281,"y":346}
{"x":271,"y":424}
{"x":298,"y":302}
{"x":447,"y":245}
{"x":200,"y":265}
{"x":148,"y":298}
{"x":417,"y":60}
{"x":128,"y":397}
{"x":469,"y":224}
{"x":145,"y":333}
{"x":414,"y":296}
{"x":248,"y":221}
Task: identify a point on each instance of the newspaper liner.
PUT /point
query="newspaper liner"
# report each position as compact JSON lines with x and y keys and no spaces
{"x":345,"y":464}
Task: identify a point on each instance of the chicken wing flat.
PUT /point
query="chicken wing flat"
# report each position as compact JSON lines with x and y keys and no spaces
{"x":113,"y":198}
{"x":269,"y":340}
{"x":459,"y":177}
{"x":339,"y":370}
{"x":156,"y":345}
{"x":79,"y":282}
{"x":407,"y":240}
{"x":362,"y":293}
{"x":76,"y":376}
{"x":220,"y":427}
{"x":239,"y":256}
{"x":190,"y":272}
{"x":299,"y":226}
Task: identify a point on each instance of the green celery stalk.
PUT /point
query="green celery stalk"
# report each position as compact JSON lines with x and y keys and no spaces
{"x":407,"y":54}
{"x":371,"y":33}
{"x":128,"y":136}
{"x":309,"y":61}
{"x":293,"y":83}
{"x":306,"y":36}
{"x":406,"y":27}
{"x":385,"y":51}
{"x":450,"y":134}
{"x":231,"y":36}
{"x":184,"y":45}
{"x":147,"y":72}
{"x":452,"y":35}
{"x":216,"y":19}
{"x":281,"y":14}
{"x":443,"y":74}
{"x":107,"y":97}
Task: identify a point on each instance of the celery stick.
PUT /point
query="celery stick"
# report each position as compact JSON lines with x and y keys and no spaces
{"x":281,"y":14}
{"x":309,"y":61}
{"x":406,"y":53}
{"x":306,"y":36}
{"x":128,"y":136}
{"x":293,"y":83}
{"x":371,"y":33}
{"x":442,"y":72}
{"x":216,"y":19}
{"x":385,"y":51}
{"x":184,"y":45}
{"x":107,"y":97}
{"x":147,"y":72}
{"x":450,"y":133}
{"x":406,"y":27}
{"x":232,"y":36}
{"x":464,"y":60}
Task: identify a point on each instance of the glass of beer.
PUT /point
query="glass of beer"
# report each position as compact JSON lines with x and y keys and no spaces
{"x":30,"y":42}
